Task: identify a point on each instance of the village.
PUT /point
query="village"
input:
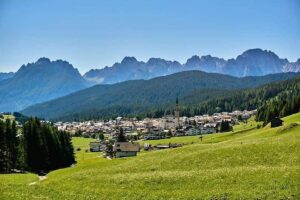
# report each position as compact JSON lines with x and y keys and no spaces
{"x":157,"y":128}
{"x":106,"y":133}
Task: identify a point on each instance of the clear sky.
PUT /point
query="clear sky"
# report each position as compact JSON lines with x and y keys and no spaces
{"x":93,"y":34}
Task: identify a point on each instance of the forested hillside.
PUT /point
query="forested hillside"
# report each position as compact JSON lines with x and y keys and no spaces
{"x":272,"y":100}
{"x":285,"y":103}
{"x":136,"y":98}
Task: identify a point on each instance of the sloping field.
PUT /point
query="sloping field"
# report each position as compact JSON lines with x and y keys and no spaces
{"x":251,"y":164}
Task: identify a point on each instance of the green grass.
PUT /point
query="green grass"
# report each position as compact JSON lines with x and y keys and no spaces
{"x":251,"y":123}
{"x":84,"y":153}
{"x":182,"y":140}
{"x":10,"y":117}
{"x":292,"y":118}
{"x":14,"y":186}
{"x":247,"y":164}
{"x":208,"y":138}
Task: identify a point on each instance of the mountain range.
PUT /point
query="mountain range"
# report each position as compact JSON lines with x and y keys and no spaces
{"x":253,"y":62}
{"x":139,"y":96}
{"x":38,"y":82}
{"x":45,"y":80}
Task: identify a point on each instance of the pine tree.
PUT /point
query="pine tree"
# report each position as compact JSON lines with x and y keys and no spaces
{"x":3,"y":148}
{"x":14,"y":143}
{"x":120,"y":136}
{"x":225,"y":126}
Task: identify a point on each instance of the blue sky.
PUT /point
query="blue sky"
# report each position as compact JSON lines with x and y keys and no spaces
{"x":93,"y":34}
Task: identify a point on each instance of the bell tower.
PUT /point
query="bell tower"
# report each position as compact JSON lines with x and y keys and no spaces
{"x":177,"y":114}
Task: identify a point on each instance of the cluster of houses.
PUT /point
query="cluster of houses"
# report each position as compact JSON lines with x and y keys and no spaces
{"x":148,"y":129}
{"x":158,"y":128}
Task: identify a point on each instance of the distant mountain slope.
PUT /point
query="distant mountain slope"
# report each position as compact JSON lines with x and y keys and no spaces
{"x":141,"y":95}
{"x":292,"y":67}
{"x":4,"y":76}
{"x":37,"y":82}
{"x":253,"y":62}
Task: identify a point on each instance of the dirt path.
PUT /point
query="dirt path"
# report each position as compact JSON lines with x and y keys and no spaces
{"x":41,"y":178}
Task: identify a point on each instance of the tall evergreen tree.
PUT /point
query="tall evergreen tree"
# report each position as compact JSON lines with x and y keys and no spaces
{"x":121,"y":136}
{"x":225,"y":126}
{"x":3,"y":148}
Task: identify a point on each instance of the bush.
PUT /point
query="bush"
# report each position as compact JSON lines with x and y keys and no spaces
{"x":258,"y":126}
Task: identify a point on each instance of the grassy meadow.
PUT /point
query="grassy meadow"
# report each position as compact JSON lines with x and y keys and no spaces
{"x":10,"y":117}
{"x":248,"y":163}
{"x":81,"y":149}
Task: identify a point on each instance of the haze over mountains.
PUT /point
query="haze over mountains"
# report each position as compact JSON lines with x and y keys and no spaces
{"x":253,"y":62}
{"x":37,"y":82}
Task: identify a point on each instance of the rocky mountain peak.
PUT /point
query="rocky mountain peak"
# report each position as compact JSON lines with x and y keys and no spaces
{"x":43,"y":60}
{"x":129,"y":60}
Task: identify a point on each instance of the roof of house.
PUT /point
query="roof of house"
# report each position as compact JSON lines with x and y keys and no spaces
{"x":126,"y":146}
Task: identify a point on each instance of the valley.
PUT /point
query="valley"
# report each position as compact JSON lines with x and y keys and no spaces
{"x":149,"y":100}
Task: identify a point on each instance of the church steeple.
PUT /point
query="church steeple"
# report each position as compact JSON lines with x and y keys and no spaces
{"x":177,"y":113}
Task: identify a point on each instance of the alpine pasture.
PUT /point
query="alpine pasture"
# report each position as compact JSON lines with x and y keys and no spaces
{"x":249,"y":163}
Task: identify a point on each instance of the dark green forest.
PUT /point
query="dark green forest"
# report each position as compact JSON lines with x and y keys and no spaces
{"x":35,"y":147}
{"x":272,"y":100}
{"x":277,"y":99}
{"x":287,"y":102}
{"x":153,"y":97}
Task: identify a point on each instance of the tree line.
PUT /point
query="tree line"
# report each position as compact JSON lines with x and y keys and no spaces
{"x":34,"y":147}
{"x":285,"y":103}
{"x":272,"y":100}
